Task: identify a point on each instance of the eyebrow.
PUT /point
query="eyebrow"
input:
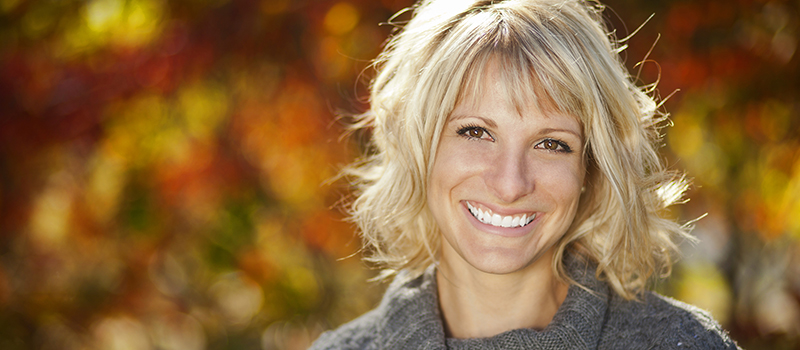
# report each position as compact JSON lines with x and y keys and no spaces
{"x":568,"y":131}
{"x":490,"y":123}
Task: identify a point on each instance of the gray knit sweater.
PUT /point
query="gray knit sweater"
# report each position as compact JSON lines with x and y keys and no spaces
{"x":409,"y":318}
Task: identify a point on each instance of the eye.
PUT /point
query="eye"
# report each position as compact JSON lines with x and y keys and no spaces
{"x":550,"y":145}
{"x":554,"y":146}
{"x":475,"y":133}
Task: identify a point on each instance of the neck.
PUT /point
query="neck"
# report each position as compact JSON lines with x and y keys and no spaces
{"x":478,"y":305}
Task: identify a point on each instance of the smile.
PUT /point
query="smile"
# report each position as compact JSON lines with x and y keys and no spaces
{"x":497,"y":220}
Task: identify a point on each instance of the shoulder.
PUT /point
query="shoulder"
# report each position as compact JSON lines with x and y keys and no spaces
{"x":356,"y":334}
{"x":662,"y":322}
{"x":407,"y":318}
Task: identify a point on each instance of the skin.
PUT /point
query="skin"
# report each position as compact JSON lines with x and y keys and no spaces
{"x":495,"y":279}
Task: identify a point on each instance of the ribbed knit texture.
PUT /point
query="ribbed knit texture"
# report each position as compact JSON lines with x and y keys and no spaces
{"x":409,"y":318}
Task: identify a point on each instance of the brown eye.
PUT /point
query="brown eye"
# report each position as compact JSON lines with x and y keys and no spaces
{"x":475,"y":133}
{"x":553,"y":145}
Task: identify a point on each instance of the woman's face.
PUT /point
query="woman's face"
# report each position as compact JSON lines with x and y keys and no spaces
{"x":505,"y":185}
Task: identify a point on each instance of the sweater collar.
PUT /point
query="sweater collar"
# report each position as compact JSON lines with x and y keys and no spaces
{"x":411,"y":318}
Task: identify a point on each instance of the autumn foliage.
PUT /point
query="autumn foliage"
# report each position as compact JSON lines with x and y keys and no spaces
{"x":166,"y":166}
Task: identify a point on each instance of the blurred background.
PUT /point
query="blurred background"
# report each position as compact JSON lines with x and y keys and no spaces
{"x":165,"y":166}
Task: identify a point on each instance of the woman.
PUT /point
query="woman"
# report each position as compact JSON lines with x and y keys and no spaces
{"x":515,"y":185}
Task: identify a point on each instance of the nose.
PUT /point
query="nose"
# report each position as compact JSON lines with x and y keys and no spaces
{"x":509,"y":177}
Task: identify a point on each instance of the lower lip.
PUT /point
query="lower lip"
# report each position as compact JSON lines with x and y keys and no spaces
{"x":499,"y":231}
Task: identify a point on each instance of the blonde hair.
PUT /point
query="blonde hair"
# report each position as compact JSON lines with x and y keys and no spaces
{"x":557,"y":51}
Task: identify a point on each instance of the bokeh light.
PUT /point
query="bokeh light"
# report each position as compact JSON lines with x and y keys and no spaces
{"x":166,"y":166}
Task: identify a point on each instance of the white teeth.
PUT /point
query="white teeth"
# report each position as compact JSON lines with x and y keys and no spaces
{"x":507,"y":221}
{"x":488,"y":218}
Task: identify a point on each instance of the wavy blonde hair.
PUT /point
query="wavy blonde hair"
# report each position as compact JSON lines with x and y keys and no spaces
{"x":553,"y":52}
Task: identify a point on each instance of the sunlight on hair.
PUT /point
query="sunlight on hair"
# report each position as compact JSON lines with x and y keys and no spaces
{"x":671,"y":192}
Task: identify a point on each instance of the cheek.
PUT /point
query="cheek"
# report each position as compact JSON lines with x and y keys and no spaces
{"x":569,"y":179}
{"x":450,"y":178}
{"x":454,"y":161}
{"x":439,"y":176}
{"x":563,"y":181}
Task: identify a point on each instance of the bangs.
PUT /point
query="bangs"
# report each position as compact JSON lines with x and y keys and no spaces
{"x":536,"y":64}
{"x":520,"y":86}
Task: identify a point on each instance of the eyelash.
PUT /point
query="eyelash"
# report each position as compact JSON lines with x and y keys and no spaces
{"x":467,"y":128}
{"x":564,"y":148}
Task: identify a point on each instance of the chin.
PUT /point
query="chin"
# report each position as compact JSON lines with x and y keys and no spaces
{"x":502,"y":261}
{"x":501,"y":268}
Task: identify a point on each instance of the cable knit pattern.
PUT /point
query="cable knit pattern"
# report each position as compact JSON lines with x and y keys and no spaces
{"x":409,"y":318}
